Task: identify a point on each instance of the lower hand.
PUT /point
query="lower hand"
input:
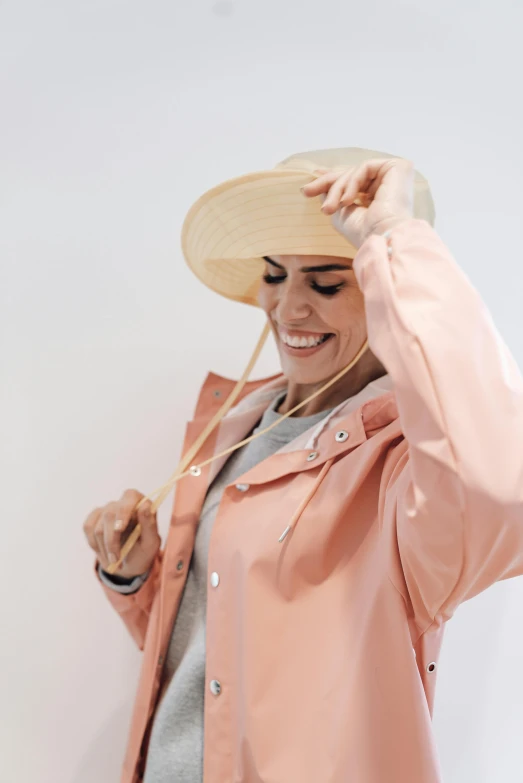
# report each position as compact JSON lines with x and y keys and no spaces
{"x":107,"y":528}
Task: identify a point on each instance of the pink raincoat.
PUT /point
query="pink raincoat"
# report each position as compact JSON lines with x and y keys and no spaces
{"x":403,"y":504}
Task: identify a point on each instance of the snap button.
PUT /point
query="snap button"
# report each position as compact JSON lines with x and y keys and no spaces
{"x":194,"y":470}
{"x":217,"y":393}
{"x":341,"y":436}
{"x":179,"y":565}
{"x":312,"y":456}
{"x":431,"y":667}
{"x":242,"y":487}
{"x":215,"y":579}
{"x":216,"y":687}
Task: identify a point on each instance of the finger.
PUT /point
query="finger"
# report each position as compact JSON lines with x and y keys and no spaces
{"x":321,"y":184}
{"x":100,"y":544}
{"x":338,"y":188}
{"x":119,"y":522}
{"x":361,"y":198}
{"x":373,"y":189}
{"x":113,"y":529}
{"x":105,"y":528}
{"x":369,"y":176}
{"x":367,"y":170}
{"x":146,"y":518}
{"x":89,"y":526}
{"x":359,"y":185}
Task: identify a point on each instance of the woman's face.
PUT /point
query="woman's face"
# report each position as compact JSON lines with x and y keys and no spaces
{"x":314,"y":299}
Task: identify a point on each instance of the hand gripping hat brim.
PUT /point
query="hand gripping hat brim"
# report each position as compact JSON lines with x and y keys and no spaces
{"x":231,"y":227}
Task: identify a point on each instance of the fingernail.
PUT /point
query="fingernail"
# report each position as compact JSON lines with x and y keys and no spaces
{"x":112,"y":558}
{"x":118,"y":524}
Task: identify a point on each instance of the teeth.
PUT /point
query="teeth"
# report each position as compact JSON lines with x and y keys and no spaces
{"x":302,"y":342}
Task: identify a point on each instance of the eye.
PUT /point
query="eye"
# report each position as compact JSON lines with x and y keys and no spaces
{"x":327,"y":290}
{"x":272,"y":279}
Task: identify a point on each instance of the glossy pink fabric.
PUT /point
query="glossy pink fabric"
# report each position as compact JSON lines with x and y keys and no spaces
{"x":326,"y":645}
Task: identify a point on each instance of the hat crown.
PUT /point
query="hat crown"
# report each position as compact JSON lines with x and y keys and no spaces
{"x":340,"y":157}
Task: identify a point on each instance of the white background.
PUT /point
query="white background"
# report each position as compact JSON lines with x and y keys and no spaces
{"x":116,"y":116}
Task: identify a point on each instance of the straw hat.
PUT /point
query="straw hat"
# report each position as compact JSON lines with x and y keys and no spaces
{"x":231,"y":227}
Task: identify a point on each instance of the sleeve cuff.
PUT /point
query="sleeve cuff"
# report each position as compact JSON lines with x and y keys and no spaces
{"x":120,"y":584}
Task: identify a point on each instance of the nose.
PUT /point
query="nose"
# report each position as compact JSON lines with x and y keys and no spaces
{"x":292,"y":305}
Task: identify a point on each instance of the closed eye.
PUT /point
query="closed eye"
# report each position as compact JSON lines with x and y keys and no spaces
{"x":325,"y":290}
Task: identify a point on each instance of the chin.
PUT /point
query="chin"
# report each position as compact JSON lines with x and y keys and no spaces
{"x":305,"y":376}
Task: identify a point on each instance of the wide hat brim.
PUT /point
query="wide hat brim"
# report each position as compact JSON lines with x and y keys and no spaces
{"x":232,"y":226}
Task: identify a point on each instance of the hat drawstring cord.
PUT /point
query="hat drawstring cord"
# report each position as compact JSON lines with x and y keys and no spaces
{"x":297,"y":514}
{"x":195,"y":470}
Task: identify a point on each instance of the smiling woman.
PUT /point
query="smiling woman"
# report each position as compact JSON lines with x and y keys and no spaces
{"x":328,"y":520}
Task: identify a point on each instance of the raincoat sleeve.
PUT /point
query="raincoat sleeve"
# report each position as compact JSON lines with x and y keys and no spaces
{"x":454,"y":505}
{"x":135,"y":608}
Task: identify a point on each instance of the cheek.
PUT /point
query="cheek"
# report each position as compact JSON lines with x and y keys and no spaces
{"x":345,"y":314}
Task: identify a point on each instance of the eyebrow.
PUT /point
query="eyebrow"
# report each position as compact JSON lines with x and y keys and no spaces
{"x":322,"y":268}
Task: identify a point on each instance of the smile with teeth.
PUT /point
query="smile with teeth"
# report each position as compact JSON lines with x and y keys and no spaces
{"x":304,"y":342}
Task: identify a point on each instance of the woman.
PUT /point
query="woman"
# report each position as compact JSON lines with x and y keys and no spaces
{"x":292,"y":624}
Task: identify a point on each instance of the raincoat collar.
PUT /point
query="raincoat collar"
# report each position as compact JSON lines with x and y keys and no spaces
{"x":360,"y":416}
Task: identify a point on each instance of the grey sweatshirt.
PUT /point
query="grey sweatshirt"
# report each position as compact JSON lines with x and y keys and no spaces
{"x":175,"y":753}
